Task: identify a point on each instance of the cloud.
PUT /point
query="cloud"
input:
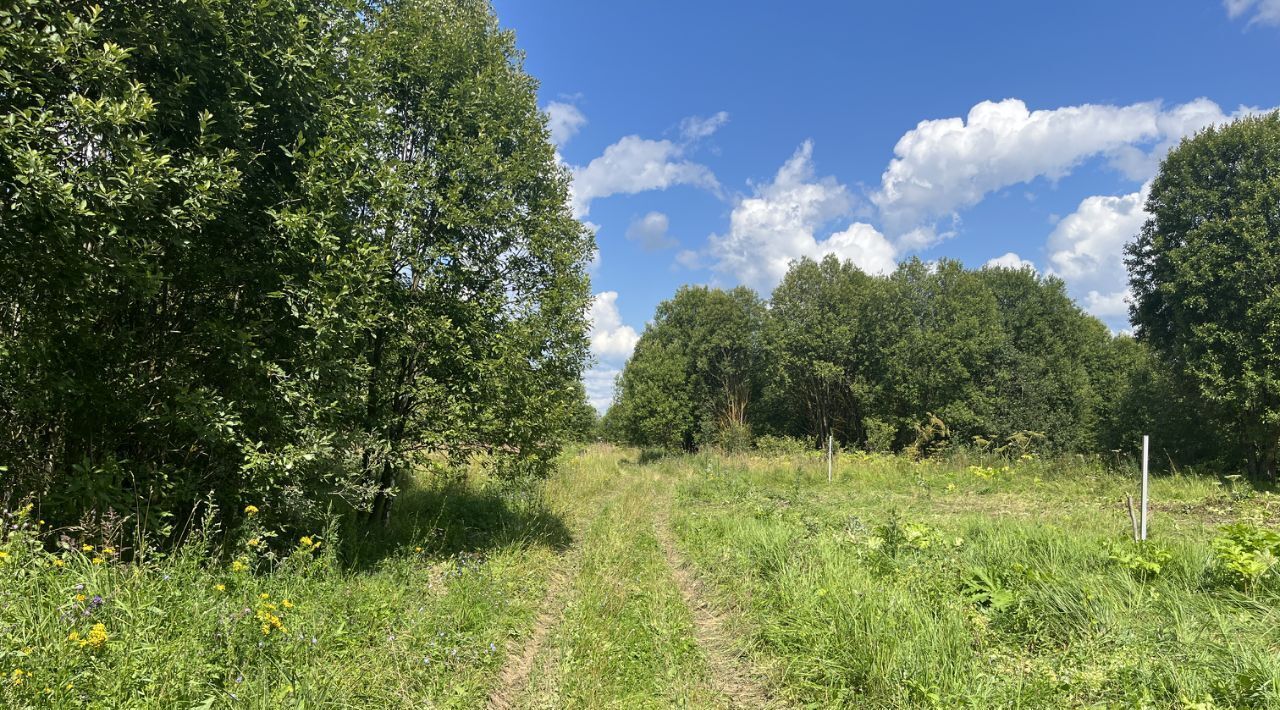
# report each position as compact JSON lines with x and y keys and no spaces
{"x":610,"y":338}
{"x":694,"y":128}
{"x":1009,"y":260}
{"x":636,"y":164}
{"x":1108,"y":306}
{"x":1172,"y":126}
{"x":564,"y":121}
{"x":1260,"y":12}
{"x":689,"y":259}
{"x":599,"y":384}
{"x":612,"y":342}
{"x":780,"y":223}
{"x":1086,"y":249}
{"x":944,"y":165}
{"x":651,"y":232}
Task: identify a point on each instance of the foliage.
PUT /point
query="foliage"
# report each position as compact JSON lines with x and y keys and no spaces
{"x":704,"y":350}
{"x":1203,"y":271}
{"x":997,"y":354}
{"x":269,"y":251}
{"x":1247,"y":553}
{"x":1144,"y":558}
{"x":772,"y":444}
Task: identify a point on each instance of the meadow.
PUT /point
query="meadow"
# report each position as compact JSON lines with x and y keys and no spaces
{"x":635,"y":579}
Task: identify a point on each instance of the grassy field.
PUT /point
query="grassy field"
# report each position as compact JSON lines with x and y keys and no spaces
{"x":629,"y":580}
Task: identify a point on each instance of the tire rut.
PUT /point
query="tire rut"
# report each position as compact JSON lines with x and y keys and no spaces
{"x":732,"y":675}
{"x":522,"y":654}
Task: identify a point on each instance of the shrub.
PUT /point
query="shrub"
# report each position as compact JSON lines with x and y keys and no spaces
{"x":782,"y":445}
{"x":1246,"y":553}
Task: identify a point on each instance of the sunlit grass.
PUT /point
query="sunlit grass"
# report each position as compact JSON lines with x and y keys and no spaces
{"x":982,"y":583}
{"x":414,"y":616}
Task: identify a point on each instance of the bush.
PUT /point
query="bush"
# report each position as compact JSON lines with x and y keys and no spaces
{"x":1246,"y":553}
{"x":782,"y":445}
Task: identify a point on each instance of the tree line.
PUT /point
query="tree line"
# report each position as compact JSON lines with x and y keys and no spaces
{"x":935,"y":354}
{"x":268,"y":253}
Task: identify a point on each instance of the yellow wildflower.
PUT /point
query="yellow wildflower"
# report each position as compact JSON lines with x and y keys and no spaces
{"x":287,"y":604}
{"x":417,"y":549}
{"x":86,"y":547}
{"x":253,"y":542}
{"x":98,"y":560}
{"x":4,"y":555}
{"x":73,"y":636}
{"x":97,"y":637}
{"x":264,"y":595}
{"x":269,"y":621}
{"x":238,"y":566}
{"x":17,"y":674}
{"x":108,"y":550}
{"x":81,"y":597}
{"x":57,"y":562}
{"x":220,"y":587}
{"x":306,"y":541}
{"x":251,"y":510}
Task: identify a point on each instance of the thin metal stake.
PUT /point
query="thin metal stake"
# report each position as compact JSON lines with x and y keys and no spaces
{"x":831,"y":446}
{"x":1146,"y":447}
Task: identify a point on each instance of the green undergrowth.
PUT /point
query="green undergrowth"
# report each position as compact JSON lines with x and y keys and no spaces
{"x":988,"y":583}
{"x":414,"y":615}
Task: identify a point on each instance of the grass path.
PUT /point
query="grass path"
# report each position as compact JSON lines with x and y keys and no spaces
{"x":624,"y":623}
{"x":732,"y":675}
{"x":522,"y":654}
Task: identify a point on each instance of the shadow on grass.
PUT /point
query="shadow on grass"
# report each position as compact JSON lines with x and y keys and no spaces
{"x":451,"y":519}
{"x":648,"y":456}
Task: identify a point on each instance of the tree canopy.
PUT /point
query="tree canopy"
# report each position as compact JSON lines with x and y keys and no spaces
{"x":988,"y":357}
{"x":265,"y":253}
{"x":1204,"y":272}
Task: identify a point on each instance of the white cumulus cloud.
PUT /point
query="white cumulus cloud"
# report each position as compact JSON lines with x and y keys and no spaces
{"x":947,"y":164}
{"x":1010,"y":260}
{"x":610,"y":338}
{"x":781,"y":221}
{"x":636,"y":164}
{"x":599,"y":385}
{"x":1260,"y":12}
{"x":1086,"y":249}
{"x":650,"y":231}
{"x":564,"y":121}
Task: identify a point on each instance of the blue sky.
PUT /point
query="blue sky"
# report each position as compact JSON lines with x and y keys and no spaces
{"x":712,"y":142}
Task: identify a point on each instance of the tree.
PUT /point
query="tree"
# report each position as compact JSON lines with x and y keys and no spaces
{"x":935,"y":336}
{"x":1204,"y":270}
{"x":267,"y":252}
{"x":653,"y":405}
{"x":1042,"y":373}
{"x":818,"y":339}
{"x":714,"y":338}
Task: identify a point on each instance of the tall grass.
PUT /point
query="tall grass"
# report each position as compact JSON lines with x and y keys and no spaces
{"x":983,"y":583}
{"x":411,"y":616}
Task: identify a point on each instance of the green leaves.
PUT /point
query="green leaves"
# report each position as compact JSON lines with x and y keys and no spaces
{"x":273,"y":250}
{"x":1203,"y":272}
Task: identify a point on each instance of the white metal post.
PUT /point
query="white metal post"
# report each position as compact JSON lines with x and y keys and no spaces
{"x":831,"y":447}
{"x":1146,"y":447}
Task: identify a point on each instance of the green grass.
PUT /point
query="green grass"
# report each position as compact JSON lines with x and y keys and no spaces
{"x":415,"y":616}
{"x":934,"y":584}
{"x":969,"y":582}
{"x":625,"y":640}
